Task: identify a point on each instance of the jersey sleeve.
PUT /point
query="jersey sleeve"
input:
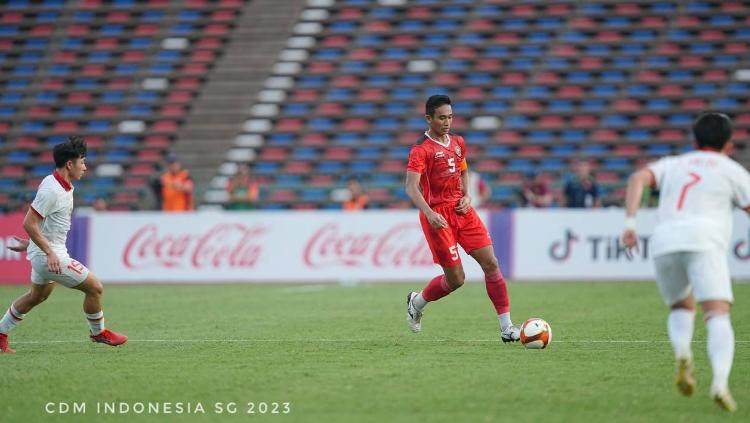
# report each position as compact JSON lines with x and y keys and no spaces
{"x":464,"y":165}
{"x":741,"y":188}
{"x":417,"y":160}
{"x":44,"y":203}
{"x":659,"y":169}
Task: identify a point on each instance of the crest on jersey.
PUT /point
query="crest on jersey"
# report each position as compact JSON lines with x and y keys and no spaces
{"x":458,"y":151}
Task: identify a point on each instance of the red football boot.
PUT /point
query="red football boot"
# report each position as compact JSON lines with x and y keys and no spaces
{"x":4,"y":348}
{"x":110,"y":338}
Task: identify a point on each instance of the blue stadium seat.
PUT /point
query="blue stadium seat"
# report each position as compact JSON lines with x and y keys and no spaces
{"x":562,"y":150}
{"x":520,"y":165}
{"x":182,"y":29}
{"x":659,"y":149}
{"x":72,"y":111}
{"x":313,"y":194}
{"x":112,"y":97}
{"x":111,"y":30}
{"x":71,"y":43}
{"x":639,"y":135}
{"x":346,"y":138}
{"x":281,"y":139}
{"x":436,"y":38}
{"x":147,"y":96}
{"x":152,"y":16}
{"x":19,"y":156}
{"x":517,"y":121}
{"x":296,"y":109}
{"x":8,"y":111}
{"x":266,"y":168}
{"x":321,"y":124}
{"x":81,"y":16}
{"x":594,"y":149}
{"x":494,"y":106}
{"x":10,"y":98}
{"x":168,"y":56}
{"x":573,"y":136}
{"x":290,"y":181}
{"x":615,"y":121}
{"x":497,"y":151}
{"x":30,"y":57}
{"x":593,"y":104}
{"x":496,"y":52}
{"x":540,"y":136}
{"x":363,"y":109}
{"x":616,"y":164}
{"x":58,"y":70}
{"x":355,"y":66}
{"x":140,"y":43}
{"x":361,"y":166}
{"x":379,"y":138}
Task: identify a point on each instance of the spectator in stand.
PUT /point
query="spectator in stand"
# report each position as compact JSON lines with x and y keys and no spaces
{"x":479,"y":190}
{"x":176,"y":187}
{"x":581,"y":191}
{"x":535,"y":191}
{"x":357,"y":200}
{"x":243,"y":190}
{"x":100,"y":204}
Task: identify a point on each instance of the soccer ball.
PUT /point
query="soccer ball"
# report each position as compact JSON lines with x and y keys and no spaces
{"x":536,"y":333}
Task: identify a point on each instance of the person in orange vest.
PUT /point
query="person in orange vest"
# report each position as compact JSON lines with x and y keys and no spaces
{"x":176,"y":187}
{"x":357,"y":200}
{"x":243,"y":190}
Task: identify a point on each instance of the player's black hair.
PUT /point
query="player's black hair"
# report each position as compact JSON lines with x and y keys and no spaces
{"x":73,"y":148}
{"x":712,"y":129}
{"x":434,"y":102}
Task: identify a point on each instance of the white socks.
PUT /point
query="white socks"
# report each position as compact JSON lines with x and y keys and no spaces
{"x":504,"y":320}
{"x":96,"y":322}
{"x":11,"y":318}
{"x":720,"y":349}
{"x":419,"y":302}
{"x":680,"y":326}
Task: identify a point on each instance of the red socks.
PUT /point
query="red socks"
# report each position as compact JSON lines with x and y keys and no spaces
{"x":498,"y":292}
{"x":436,"y":289}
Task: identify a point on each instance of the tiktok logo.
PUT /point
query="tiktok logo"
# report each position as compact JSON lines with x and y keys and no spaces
{"x":561,"y":250}
{"x":739,"y":246}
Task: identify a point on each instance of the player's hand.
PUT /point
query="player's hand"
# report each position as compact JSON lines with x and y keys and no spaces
{"x":463,"y":205}
{"x":630,"y":240}
{"x":53,"y":263}
{"x":437,"y":220}
{"x":20,"y":246}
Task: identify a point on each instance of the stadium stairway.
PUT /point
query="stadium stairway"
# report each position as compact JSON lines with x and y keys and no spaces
{"x":218,"y":114}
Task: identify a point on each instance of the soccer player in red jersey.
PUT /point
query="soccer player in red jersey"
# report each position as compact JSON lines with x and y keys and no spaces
{"x":437,"y":183}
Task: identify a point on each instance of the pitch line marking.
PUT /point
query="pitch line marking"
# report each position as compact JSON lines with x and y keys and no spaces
{"x":328,"y":340}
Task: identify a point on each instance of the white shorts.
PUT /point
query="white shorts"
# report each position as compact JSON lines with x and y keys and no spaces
{"x":706,"y":273}
{"x":72,"y":273}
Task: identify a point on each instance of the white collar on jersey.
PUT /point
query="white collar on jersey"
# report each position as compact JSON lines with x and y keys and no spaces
{"x":426,"y":134}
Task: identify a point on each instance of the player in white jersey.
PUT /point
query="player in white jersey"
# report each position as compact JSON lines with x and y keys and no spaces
{"x":698,"y":191}
{"x":47,"y":223}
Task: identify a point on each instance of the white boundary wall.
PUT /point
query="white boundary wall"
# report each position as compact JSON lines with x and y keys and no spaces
{"x":584,"y":245}
{"x":319,"y":246}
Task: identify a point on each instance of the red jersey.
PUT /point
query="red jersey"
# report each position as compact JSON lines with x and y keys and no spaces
{"x":441,"y":167}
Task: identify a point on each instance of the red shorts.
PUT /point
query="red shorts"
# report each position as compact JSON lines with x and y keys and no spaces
{"x":466,"y":230}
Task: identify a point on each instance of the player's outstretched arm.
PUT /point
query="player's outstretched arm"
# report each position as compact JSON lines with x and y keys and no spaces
{"x":31,"y":224}
{"x":20,"y":246}
{"x":415,"y":194}
{"x":633,"y":194}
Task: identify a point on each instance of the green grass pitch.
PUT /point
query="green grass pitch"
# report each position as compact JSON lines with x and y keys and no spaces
{"x":344,"y":354}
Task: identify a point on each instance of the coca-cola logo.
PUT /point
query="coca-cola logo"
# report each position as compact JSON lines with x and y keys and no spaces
{"x":226,"y":245}
{"x":399,"y":246}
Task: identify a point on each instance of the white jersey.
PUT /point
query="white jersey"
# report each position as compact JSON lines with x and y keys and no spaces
{"x":697,"y":192}
{"x":54,"y":204}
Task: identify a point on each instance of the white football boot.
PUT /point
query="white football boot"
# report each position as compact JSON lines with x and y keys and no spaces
{"x":413,"y":316}
{"x":723,"y":398}
{"x":510,"y":334}
{"x":685,"y":380}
